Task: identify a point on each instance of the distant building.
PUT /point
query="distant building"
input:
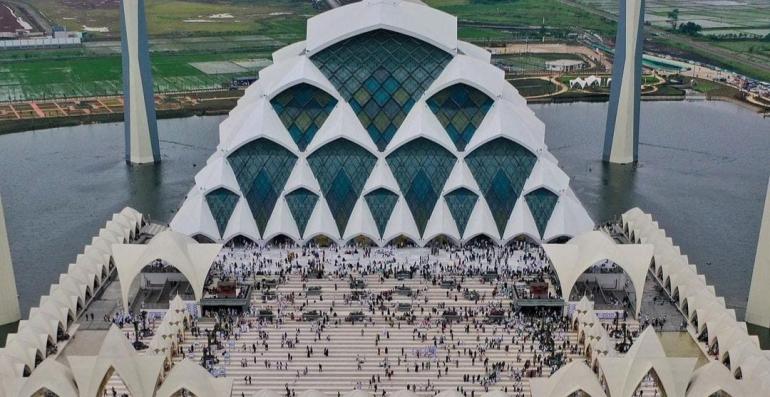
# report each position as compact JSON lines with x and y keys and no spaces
{"x":564,"y":65}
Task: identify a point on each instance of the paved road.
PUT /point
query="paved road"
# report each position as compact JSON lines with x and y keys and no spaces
{"x":39,"y":22}
{"x":716,"y":52}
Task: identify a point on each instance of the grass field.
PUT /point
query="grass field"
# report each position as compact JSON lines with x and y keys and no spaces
{"x":524,"y":13}
{"x":101,"y":75}
{"x":278,"y":18}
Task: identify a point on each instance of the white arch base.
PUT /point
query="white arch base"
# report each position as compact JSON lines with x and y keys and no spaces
{"x":758,"y":308}
{"x":9,"y":299}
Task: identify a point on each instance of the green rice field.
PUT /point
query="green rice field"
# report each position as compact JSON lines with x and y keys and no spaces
{"x":86,"y":76}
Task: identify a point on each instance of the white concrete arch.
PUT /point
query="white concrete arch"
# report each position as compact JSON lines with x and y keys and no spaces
{"x":421,"y":123}
{"x":462,"y":69}
{"x":546,"y":174}
{"x":302,"y":177}
{"x":322,"y":222}
{"x":217,"y":174}
{"x":342,"y":123}
{"x":409,"y":18}
{"x":381,"y":177}
{"x":361,"y":223}
{"x":521,"y":222}
{"x":293,"y":71}
{"x":481,"y":222}
{"x":442,"y":222}
{"x":281,"y":222}
{"x":260,"y":123}
{"x":242,"y":223}
{"x":506,"y":120}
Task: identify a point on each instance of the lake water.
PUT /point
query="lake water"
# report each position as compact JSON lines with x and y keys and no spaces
{"x":703,"y":172}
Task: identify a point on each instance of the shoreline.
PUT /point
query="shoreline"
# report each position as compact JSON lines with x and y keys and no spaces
{"x":223,"y":107}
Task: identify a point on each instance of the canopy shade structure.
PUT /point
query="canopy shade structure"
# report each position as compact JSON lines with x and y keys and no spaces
{"x":624,"y":374}
{"x":190,"y":376}
{"x":139,"y":373}
{"x":191,"y":258}
{"x":571,"y":378}
{"x":572,"y":259}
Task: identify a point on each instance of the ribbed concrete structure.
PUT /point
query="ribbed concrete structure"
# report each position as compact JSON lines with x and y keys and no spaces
{"x":9,"y":299}
{"x":141,"y":127}
{"x":758,"y":308}
{"x":621,"y":140}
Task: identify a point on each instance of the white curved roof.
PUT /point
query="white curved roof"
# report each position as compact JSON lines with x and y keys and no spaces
{"x":54,"y":377}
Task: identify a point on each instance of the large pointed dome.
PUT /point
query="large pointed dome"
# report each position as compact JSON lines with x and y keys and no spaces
{"x":382,"y":124}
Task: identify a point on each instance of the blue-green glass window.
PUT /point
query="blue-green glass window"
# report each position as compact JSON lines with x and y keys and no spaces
{"x":461,"y":202}
{"x":460,"y":109}
{"x":262,"y":168}
{"x":341,"y":168}
{"x":501,"y":167}
{"x":222,"y":204}
{"x":381,"y":203}
{"x":301,"y":204}
{"x":541,"y":203}
{"x":381,"y":74}
{"x":421,"y":168}
{"x":303,"y":109}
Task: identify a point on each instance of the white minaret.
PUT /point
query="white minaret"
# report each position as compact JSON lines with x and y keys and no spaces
{"x":141,"y":127}
{"x":758,"y":307}
{"x":621,"y":139}
{"x":9,"y":299}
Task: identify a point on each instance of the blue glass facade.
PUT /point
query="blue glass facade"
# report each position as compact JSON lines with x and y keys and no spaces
{"x":541,"y":203}
{"x":461,"y":202}
{"x":421,"y":168}
{"x":222,"y":203}
{"x":262,"y":168}
{"x":301,"y":204}
{"x":381,"y":203}
{"x":382,"y":74}
{"x":303,"y":109}
{"x":501,"y":167}
{"x":460,"y":109}
{"x":341,"y":168}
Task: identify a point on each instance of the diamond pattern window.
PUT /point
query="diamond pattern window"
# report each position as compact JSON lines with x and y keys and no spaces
{"x":262,"y":168}
{"x":303,"y":109}
{"x":381,"y":203}
{"x":460,"y":109}
{"x":301,"y":204}
{"x":541,"y":203}
{"x":381,"y":74}
{"x":421,"y":168}
{"x":222,"y":204}
{"x":461,"y":202}
{"x":341,"y":168}
{"x":501,"y":167}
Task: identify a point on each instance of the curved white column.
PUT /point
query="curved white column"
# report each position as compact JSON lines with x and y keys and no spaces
{"x":9,"y":299}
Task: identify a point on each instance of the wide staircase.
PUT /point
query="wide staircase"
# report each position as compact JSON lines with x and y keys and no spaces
{"x":414,"y":353}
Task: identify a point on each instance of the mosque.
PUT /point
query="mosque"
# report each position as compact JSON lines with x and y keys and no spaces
{"x":382,"y":217}
{"x":384,"y":127}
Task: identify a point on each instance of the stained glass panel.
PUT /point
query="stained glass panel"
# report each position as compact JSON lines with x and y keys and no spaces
{"x":381,"y":74}
{"x":461,"y":202}
{"x":541,"y":203}
{"x":303,"y":109}
{"x":262,"y":168}
{"x":460,"y":109}
{"x":421,"y":168}
{"x":222,"y":204}
{"x":301,"y":204}
{"x":341,"y":168}
{"x":501,"y":167}
{"x":381,"y":203}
